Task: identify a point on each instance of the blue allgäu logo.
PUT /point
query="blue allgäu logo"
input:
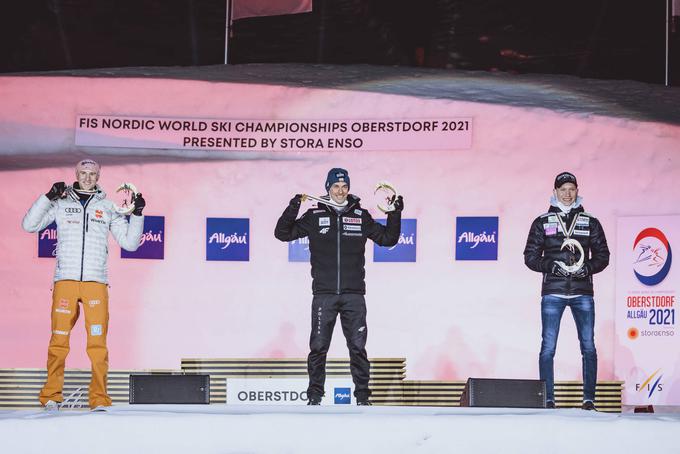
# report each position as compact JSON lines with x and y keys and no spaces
{"x":47,"y":241}
{"x":404,"y":250}
{"x":298,"y":250}
{"x":227,"y":239}
{"x":342,"y":396}
{"x":477,"y":238}
{"x":152,"y":243}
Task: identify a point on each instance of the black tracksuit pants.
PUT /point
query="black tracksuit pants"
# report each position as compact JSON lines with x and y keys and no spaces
{"x":352,"y":310}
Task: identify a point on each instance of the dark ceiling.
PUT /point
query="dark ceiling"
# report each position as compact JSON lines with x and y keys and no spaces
{"x":589,"y":38}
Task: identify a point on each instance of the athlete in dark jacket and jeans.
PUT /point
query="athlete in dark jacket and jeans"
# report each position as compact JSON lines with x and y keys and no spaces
{"x":548,"y":252}
{"x":337,"y":242}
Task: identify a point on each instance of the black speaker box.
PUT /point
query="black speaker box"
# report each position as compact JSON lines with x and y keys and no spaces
{"x":169,"y":389}
{"x":497,"y":392}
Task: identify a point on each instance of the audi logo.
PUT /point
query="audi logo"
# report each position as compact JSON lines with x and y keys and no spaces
{"x":73,"y":210}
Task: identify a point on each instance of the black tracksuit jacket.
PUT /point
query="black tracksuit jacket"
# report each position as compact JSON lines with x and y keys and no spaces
{"x":543,"y":248}
{"x":337,"y":242}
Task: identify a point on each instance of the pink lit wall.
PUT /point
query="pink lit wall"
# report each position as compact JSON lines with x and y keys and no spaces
{"x":450,"y":319}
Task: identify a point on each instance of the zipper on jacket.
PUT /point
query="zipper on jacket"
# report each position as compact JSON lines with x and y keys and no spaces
{"x":338,"y":225}
{"x":86,"y":218}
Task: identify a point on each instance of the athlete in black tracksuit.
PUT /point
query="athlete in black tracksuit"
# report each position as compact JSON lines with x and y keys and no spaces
{"x":337,"y":240}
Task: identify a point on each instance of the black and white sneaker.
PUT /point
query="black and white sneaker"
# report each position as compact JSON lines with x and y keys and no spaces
{"x":550,"y":404}
{"x":314,"y":400}
{"x":364,"y":402}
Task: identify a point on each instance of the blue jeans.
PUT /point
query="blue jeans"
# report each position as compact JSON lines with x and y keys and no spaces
{"x":583,"y":310}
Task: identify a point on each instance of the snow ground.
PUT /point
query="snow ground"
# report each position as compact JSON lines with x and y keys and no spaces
{"x":614,"y":98}
{"x":329,"y":430}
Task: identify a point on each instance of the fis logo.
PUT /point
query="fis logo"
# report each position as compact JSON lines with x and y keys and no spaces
{"x":404,"y":250}
{"x":647,"y":385}
{"x":652,"y":256}
{"x":47,"y":241}
{"x":342,"y":396}
{"x":227,"y":239}
{"x":152,"y":243}
{"x":477,"y":238}
{"x":298,"y":250}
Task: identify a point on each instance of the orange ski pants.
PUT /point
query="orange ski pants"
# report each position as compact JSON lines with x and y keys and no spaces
{"x":94,"y":298}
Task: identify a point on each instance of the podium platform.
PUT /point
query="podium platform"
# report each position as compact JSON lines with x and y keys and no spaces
{"x":19,"y":388}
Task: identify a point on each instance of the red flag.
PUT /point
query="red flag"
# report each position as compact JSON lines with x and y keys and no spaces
{"x":254,"y":8}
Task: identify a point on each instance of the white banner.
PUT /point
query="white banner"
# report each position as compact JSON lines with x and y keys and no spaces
{"x":286,"y":391}
{"x":647,"y":349}
{"x":273,"y":135}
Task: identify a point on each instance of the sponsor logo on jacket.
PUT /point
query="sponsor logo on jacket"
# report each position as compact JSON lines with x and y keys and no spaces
{"x":349,"y":220}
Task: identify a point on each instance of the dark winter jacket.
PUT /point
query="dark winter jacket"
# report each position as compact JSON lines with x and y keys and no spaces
{"x":337,"y":242}
{"x":543,"y":249}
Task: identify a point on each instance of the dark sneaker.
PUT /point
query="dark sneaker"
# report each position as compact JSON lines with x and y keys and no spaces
{"x":364,"y":402}
{"x":588,"y":405}
{"x":550,"y":404}
{"x":314,"y":400}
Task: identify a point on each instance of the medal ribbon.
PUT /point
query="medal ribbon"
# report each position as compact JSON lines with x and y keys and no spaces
{"x":567,"y":233}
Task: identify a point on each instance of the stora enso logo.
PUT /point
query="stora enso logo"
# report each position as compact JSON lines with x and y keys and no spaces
{"x":342,"y":395}
{"x":652,"y":256}
{"x":227,"y":239}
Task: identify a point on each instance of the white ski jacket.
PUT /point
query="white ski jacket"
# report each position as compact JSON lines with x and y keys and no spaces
{"x":82,"y":234}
